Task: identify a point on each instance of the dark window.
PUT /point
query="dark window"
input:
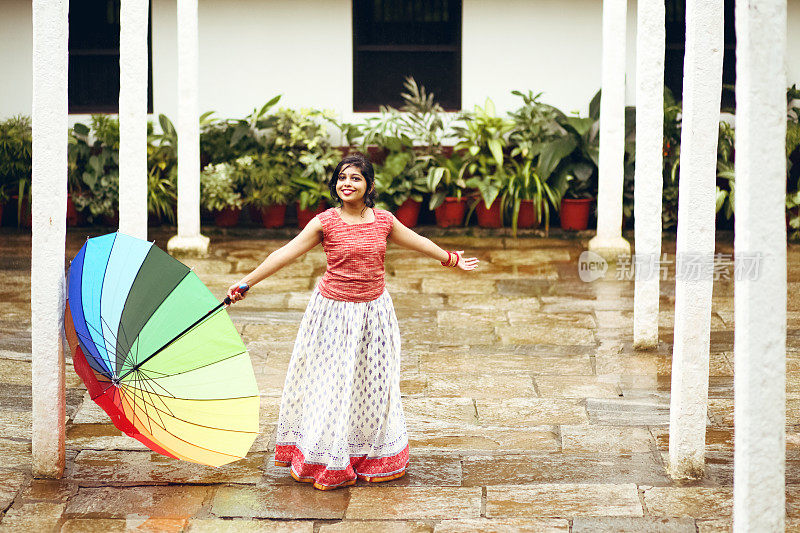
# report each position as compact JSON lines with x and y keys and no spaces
{"x":94,"y":57}
{"x":393,"y":39}
{"x":676,"y":49}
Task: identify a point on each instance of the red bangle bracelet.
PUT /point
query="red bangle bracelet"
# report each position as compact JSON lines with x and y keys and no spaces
{"x":447,"y":261}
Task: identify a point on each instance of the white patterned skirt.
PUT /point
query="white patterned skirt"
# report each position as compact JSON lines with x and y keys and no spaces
{"x":341,"y":416}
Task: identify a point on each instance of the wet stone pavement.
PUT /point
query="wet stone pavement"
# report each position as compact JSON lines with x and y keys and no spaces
{"x":527,"y":407}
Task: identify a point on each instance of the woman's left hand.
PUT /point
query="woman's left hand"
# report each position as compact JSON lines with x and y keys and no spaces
{"x":466,"y":263}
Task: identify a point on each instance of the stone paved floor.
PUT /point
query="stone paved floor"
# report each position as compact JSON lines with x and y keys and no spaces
{"x":527,"y":408}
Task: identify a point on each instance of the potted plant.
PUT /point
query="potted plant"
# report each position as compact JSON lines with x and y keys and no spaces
{"x":577,"y":201}
{"x":94,"y":162}
{"x":15,"y":164}
{"x":447,"y":186}
{"x":219,"y":193}
{"x":312,"y":199}
{"x":267,"y":186}
{"x":409,"y":142}
{"x":399,"y":184}
{"x":483,"y":139}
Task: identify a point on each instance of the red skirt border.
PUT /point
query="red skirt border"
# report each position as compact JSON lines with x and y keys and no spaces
{"x":374,"y":469}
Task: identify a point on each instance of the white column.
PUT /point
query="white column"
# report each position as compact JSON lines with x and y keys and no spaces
{"x":760,"y":298}
{"x":702,"y":89}
{"x":609,"y":242}
{"x":189,"y":240}
{"x":133,"y":118}
{"x":49,"y":211}
{"x":648,"y":180}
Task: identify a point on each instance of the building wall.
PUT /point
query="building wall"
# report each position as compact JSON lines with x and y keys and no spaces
{"x":16,"y":57}
{"x":251,"y":50}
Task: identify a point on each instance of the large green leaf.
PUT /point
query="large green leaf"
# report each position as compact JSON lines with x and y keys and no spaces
{"x":551,"y":153}
{"x":497,"y":151}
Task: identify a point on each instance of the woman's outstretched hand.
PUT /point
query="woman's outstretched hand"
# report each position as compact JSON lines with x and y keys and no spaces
{"x":466,"y":263}
{"x":236,"y":292}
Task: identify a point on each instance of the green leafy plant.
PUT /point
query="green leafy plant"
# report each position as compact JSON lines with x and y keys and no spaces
{"x":265,"y":179}
{"x":93,"y":158}
{"x":542,"y":138}
{"x":672,"y":159}
{"x":15,"y":160}
{"x":219,"y":188}
{"x":484,"y":137}
{"x":725,"y":195}
{"x":411,"y":142}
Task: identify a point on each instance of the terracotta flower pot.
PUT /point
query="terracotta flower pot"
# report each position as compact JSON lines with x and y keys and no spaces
{"x":451,"y":212}
{"x":74,"y":217}
{"x":304,"y":216}
{"x":227,"y":217}
{"x":489,"y":218}
{"x":273,"y":216}
{"x":408,"y":213}
{"x":526,"y":218}
{"x":575,"y":213}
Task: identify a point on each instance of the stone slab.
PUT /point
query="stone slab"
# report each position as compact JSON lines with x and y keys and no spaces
{"x":370,"y":526}
{"x":416,"y":503}
{"x":248,"y":526}
{"x":423,"y":411}
{"x":485,"y":470}
{"x":563,"y":500}
{"x":452,"y":361}
{"x":503,"y":525}
{"x":485,"y":439}
{"x":32,"y":516}
{"x":517,"y":412}
{"x":297,"y":501}
{"x":176,"y":502}
{"x":114,"y":525}
{"x":632,"y":525}
{"x":484,"y":386}
{"x":15,"y":454}
{"x":10,"y":484}
{"x":606,"y":439}
{"x":575,"y":387}
{"x":101,"y":467}
{"x":694,"y":502}
{"x":624,"y":412}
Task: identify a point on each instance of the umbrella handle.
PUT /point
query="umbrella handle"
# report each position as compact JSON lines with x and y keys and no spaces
{"x":241,"y":289}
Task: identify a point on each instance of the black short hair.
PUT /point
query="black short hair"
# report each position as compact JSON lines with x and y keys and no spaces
{"x":363,"y":164}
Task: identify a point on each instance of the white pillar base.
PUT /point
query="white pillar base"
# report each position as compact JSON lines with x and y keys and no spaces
{"x":610,"y":248}
{"x":687,"y":467}
{"x":194,"y":246}
{"x":645,"y":338}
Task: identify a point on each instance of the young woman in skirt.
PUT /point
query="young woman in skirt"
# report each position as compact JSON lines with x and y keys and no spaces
{"x":340,"y":414}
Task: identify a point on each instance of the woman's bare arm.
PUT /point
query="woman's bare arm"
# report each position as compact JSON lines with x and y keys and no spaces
{"x":308,"y":238}
{"x":407,"y":238}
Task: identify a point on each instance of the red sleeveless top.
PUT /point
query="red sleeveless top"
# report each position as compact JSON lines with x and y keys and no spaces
{"x":355,"y":254}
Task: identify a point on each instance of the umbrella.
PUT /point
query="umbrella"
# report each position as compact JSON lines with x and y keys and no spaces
{"x":159,"y":353}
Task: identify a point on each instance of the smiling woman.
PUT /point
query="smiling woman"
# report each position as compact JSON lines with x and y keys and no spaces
{"x":341,"y":417}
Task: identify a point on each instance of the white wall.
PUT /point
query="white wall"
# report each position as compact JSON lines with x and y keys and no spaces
{"x":16,"y":57}
{"x":548,"y":46}
{"x":793,"y":42}
{"x":251,"y":50}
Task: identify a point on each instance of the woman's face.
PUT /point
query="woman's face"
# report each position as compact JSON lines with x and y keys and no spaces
{"x":351,"y":185}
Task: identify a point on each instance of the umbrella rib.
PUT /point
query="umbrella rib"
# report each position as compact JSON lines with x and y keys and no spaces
{"x":169,"y":413}
{"x":179,"y":335}
{"x":144,"y":421}
{"x":150,"y":390}
{"x":149,"y":400}
{"x":102,"y":286}
{"x":203,"y":366}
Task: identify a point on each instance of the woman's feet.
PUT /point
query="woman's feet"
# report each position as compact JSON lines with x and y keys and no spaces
{"x":349,"y":483}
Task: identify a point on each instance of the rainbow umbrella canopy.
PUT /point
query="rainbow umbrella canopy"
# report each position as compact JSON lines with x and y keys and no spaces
{"x":159,"y":353}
